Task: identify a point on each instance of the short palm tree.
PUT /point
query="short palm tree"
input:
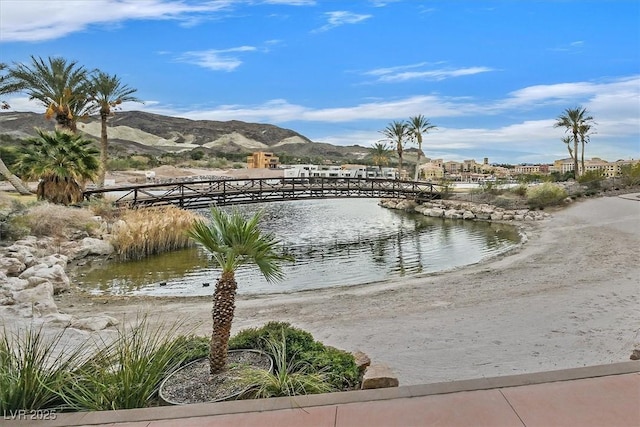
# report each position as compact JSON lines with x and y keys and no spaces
{"x":234,"y":241}
{"x":416,"y":126}
{"x":381,"y":154}
{"x":62,"y":161}
{"x":585,"y":136}
{"x":60,"y":86}
{"x":107,"y":92}
{"x":573,"y":119}
{"x":396,"y":132}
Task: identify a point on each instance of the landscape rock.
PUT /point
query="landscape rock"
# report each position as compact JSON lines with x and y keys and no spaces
{"x":379,"y":376}
{"x":35,"y":302}
{"x":12,"y":266}
{"x":362,"y":361}
{"x":54,"y":274}
{"x":92,"y":246}
{"x":95,"y":323}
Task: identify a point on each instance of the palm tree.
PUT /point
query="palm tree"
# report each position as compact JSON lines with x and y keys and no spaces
{"x":396,"y":132}
{"x":7,"y":85}
{"x":107,"y":92}
{"x":62,"y":161}
{"x":584,"y":132}
{"x":381,"y":154}
{"x":416,"y":126}
{"x":573,"y":119}
{"x":234,"y":241}
{"x":60,"y":86}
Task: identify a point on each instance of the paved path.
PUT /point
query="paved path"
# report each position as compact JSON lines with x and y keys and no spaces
{"x":600,"y":396}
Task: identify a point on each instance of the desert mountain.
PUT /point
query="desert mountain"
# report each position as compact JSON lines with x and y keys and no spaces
{"x":140,"y":132}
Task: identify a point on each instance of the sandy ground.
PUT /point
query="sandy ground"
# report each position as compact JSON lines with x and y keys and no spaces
{"x":570,"y":297}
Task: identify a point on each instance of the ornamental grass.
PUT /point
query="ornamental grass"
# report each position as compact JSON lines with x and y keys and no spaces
{"x":151,"y":231}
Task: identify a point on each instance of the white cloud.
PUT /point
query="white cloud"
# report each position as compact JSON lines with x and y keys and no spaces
{"x":216,"y":59}
{"x":341,"y":17}
{"x":400,"y":73}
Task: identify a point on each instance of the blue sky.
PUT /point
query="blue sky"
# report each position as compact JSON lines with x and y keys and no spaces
{"x":491,"y":75}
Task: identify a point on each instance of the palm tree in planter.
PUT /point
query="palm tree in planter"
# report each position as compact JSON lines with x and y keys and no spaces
{"x":234,"y":241}
{"x":62,"y":162}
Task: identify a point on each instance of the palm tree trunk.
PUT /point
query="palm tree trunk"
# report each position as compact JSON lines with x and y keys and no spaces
{"x":103,"y":149}
{"x":576,"y":172}
{"x":224,"y":299}
{"x":14,"y":180}
{"x":415,"y":176}
{"x":582,"y":154}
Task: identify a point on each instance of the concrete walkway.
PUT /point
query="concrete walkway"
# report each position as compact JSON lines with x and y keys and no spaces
{"x":599,"y":396}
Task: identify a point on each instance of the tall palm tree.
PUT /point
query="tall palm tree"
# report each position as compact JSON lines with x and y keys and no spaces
{"x":107,"y":92}
{"x":396,"y":132}
{"x":62,"y":161}
{"x":572,"y":119}
{"x":585,"y":136}
{"x":234,"y":241}
{"x":7,"y":85}
{"x":381,"y":154}
{"x":60,"y":86}
{"x":416,"y":126}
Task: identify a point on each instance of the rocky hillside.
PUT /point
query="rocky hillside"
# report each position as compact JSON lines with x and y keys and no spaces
{"x":140,"y":132}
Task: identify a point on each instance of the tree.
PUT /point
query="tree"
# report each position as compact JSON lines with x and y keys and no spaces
{"x":572,"y":119}
{"x":233,"y":241}
{"x":584,"y":132}
{"x":60,"y":86}
{"x":381,"y":154}
{"x":107,"y":92}
{"x":416,"y":126}
{"x":7,"y":85}
{"x":396,"y":132}
{"x":62,"y":161}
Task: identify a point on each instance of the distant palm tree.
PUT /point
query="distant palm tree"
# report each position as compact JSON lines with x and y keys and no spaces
{"x":573,"y":119}
{"x":396,"y":132}
{"x":7,"y":86}
{"x":584,"y":131}
{"x":416,"y":126}
{"x":60,"y":86}
{"x":381,"y":154}
{"x":234,"y":241}
{"x":62,"y":161}
{"x":107,"y":92}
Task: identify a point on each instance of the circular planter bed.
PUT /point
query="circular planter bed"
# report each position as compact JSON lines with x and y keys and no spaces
{"x":193,"y":383}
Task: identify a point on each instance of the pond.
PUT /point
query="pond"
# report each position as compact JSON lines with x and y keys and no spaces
{"x":335,"y":242}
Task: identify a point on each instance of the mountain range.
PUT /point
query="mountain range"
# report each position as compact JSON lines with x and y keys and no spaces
{"x":137,"y":132}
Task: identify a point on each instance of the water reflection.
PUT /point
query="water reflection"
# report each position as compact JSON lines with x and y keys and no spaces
{"x":334,"y":242}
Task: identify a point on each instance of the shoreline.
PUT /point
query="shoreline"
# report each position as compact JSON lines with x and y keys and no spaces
{"x":568,"y":297}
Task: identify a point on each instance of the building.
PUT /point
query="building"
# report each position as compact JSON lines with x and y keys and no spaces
{"x":262,"y":160}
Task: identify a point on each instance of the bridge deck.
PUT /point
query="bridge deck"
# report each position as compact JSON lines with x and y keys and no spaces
{"x":204,"y":193}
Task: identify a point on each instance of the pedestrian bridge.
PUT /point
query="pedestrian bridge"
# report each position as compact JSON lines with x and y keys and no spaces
{"x":197,"y":194}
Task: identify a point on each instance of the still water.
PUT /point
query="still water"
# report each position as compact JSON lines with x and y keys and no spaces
{"x":334,"y":242}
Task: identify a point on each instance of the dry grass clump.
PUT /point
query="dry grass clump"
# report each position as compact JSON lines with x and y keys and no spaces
{"x":48,"y":219}
{"x":144,"y":232}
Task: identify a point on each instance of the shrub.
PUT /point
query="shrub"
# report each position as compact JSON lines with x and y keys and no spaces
{"x":34,"y":368}
{"x":152,"y":231}
{"x":630,"y":174}
{"x":339,"y":366}
{"x":520,"y":190}
{"x":544,"y":195}
{"x":47,"y":219}
{"x":12,"y":223}
{"x":291,"y":376}
{"x":126,"y":373}
{"x":592,"y":179}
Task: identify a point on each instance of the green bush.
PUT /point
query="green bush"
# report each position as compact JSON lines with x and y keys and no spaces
{"x":12,"y":220}
{"x":520,"y":190}
{"x":339,"y":366}
{"x":544,"y":195}
{"x":592,"y":179}
{"x":630,"y":174}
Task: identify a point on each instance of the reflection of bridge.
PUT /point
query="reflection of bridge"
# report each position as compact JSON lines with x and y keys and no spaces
{"x":204,"y":193}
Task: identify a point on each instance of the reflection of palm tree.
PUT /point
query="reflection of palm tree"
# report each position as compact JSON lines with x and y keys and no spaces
{"x":233,"y":241}
{"x":62,"y":161}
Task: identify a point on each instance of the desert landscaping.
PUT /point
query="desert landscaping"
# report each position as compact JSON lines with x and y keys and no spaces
{"x":567,"y":297}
